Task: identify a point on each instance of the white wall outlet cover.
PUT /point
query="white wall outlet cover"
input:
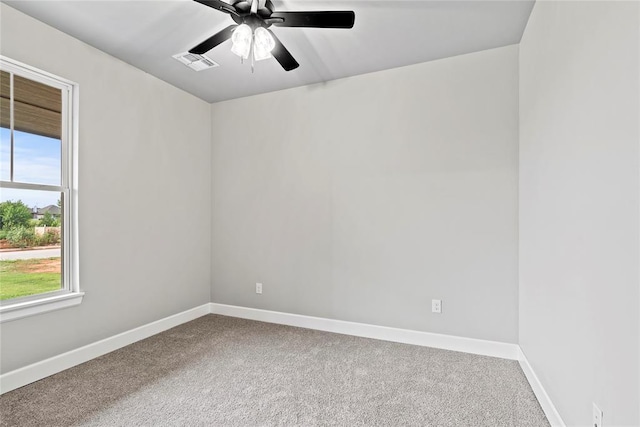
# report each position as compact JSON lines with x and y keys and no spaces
{"x":258,"y":288}
{"x":436,"y":306}
{"x":597,"y":416}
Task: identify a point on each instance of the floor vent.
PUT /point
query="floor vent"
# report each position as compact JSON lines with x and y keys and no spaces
{"x":195,"y":62}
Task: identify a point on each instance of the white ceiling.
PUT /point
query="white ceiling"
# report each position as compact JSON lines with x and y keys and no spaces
{"x":386,"y":34}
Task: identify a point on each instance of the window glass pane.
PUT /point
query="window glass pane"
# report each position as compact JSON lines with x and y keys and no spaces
{"x":37,"y":108}
{"x":37,"y":132}
{"x":5,"y":95}
{"x":5,"y":124}
{"x":5,"y":154}
{"x":36,"y":159}
{"x":30,"y":262}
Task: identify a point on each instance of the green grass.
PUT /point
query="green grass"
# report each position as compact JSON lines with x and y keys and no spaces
{"x":19,"y":278}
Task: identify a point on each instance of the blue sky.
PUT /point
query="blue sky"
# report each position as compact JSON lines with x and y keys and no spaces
{"x":36,"y":161}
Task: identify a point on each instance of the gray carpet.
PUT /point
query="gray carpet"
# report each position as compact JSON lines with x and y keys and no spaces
{"x":222,"y":371}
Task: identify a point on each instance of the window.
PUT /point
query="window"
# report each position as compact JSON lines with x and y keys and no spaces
{"x":38,"y":192}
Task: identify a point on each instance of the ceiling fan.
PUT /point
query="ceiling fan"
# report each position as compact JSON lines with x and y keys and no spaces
{"x":251,"y":35}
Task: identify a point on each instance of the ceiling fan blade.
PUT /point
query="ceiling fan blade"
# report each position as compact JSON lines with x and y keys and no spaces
{"x":219,"y":5}
{"x":282,"y":55}
{"x":338,"y":19}
{"x":214,"y":40}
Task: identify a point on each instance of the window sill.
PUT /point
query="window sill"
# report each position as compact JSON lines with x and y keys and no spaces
{"x":33,"y":307}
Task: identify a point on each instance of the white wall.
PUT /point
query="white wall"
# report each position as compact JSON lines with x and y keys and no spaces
{"x":579,"y":206}
{"x":144,"y":196}
{"x":362,"y":199}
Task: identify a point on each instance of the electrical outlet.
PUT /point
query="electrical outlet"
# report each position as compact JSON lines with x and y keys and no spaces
{"x":258,"y":288}
{"x":597,"y":416}
{"x":436,"y":306}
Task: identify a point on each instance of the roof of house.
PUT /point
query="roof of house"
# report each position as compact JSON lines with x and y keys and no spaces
{"x":52,"y":209}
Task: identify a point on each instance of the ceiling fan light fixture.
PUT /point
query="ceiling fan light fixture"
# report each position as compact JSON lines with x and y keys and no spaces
{"x":241,"y":39}
{"x":263,"y":44}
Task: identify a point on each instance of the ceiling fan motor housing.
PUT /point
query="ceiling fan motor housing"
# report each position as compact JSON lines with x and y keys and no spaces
{"x":244,"y":7}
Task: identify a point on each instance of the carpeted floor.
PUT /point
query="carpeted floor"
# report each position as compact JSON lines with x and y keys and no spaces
{"x":222,"y":371}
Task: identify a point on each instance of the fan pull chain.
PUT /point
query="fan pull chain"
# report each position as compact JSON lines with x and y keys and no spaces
{"x":253,"y":60}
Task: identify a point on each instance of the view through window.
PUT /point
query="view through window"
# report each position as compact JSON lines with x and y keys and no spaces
{"x":33,"y":186}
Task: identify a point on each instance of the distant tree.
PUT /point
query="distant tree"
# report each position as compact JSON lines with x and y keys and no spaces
{"x":14,"y":214}
{"x":48,"y":220}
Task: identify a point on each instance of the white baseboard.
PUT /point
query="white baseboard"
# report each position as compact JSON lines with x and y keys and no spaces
{"x":543,"y":398}
{"x":37,"y":371}
{"x":405,"y":336}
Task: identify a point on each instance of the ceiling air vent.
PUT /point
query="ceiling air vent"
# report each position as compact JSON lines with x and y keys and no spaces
{"x":195,"y":62}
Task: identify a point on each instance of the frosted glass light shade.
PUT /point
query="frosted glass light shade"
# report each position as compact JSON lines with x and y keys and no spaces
{"x":241,"y":39}
{"x":263,"y":44}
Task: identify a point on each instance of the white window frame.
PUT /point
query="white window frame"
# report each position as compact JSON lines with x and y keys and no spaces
{"x":70,"y":294}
